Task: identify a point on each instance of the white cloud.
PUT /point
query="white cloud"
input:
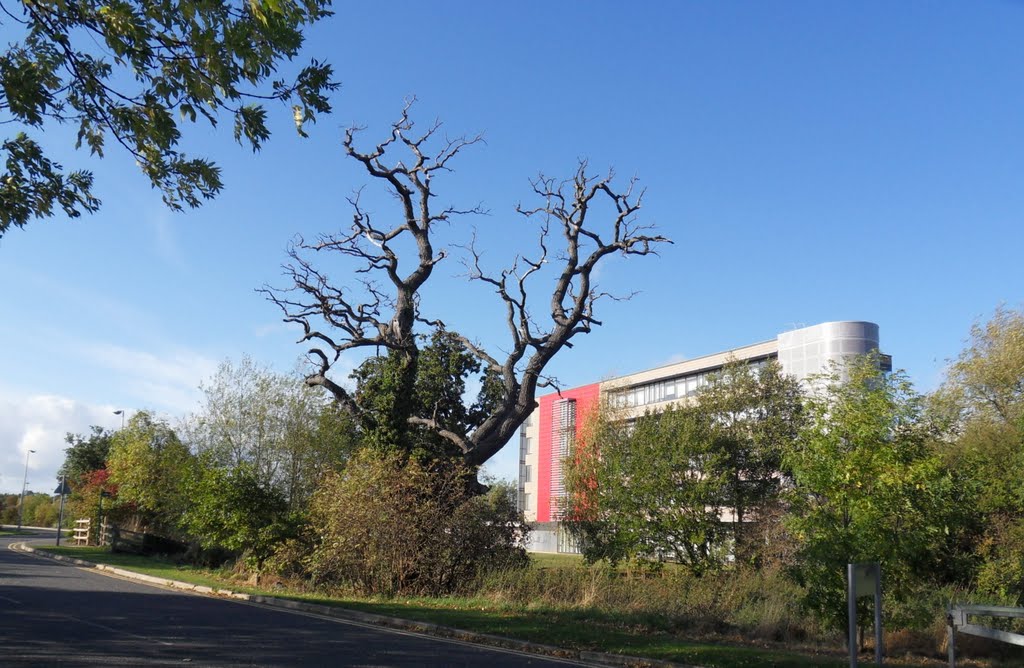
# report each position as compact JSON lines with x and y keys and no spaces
{"x":169,"y":381}
{"x":175,"y":366}
{"x":39,"y":422}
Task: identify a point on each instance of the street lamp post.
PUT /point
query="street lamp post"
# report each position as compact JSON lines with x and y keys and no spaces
{"x":24,"y":484}
{"x":121,"y":413}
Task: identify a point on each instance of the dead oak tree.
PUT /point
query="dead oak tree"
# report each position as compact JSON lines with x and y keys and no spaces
{"x":575,"y":235}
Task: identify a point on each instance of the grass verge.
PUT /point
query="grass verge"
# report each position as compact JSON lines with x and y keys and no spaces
{"x":580,"y":629}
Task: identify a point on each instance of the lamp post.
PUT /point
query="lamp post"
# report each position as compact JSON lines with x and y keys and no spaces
{"x":121,"y":413}
{"x":24,"y":484}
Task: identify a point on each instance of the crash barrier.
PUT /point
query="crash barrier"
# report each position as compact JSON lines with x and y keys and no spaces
{"x":958,"y":620}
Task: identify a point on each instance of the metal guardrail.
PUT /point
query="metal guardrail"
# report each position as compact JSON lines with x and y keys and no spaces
{"x":958,"y":619}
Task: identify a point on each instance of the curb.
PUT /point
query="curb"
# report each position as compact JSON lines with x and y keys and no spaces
{"x":425,"y":628}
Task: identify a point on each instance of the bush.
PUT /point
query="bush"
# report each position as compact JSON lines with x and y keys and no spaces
{"x":384,"y":526}
{"x":235,"y":511}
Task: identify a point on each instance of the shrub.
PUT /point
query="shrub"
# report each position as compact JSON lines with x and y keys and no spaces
{"x":235,"y":511}
{"x":384,"y":526}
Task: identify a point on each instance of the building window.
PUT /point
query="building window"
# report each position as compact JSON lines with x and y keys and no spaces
{"x":527,"y":503}
{"x":563,"y":434}
{"x":527,"y":473}
{"x":567,"y":543}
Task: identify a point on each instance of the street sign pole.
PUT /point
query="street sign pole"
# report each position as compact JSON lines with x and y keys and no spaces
{"x":864,"y":580}
{"x":851,"y":603}
{"x":62,"y":490}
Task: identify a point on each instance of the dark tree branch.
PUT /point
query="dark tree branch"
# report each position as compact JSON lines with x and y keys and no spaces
{"x":568,"y":207}
{"x":436,"y":427}
{"x":581,"y":221}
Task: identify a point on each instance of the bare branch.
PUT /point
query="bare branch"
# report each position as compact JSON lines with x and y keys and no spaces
{"x":580,"y":222}
{"x":569,"y":207}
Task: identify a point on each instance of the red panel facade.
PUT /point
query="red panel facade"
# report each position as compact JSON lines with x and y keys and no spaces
{"x":586,"y":398}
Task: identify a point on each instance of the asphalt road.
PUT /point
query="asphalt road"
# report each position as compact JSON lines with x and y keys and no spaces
{"x":55,"y":614}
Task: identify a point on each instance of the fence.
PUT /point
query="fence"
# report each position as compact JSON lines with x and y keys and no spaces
{"x":106,"y":533}
{"x":84,"y":533}
{"x":958,"y":618}
{"x":123,"y":540}
{"x":82,"y":528}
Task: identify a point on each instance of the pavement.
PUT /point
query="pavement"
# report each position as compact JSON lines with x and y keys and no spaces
{"x":58,"y":613}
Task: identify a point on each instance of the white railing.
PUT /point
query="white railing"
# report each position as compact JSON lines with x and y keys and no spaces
{"x":82,"y":528}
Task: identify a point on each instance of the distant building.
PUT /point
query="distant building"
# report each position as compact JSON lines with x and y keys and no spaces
{"x":548,"y":433}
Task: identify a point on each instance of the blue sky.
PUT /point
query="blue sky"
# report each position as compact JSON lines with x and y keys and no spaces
{"x":812,"y":161}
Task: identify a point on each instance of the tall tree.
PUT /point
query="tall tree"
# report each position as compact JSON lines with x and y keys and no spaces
{"x":649,"y":490}
{"x":986,"y":381}
{"x":133,"y":71}
{"x":867,"y":486}
{"x":981,"y":406}
{"x":754,"y":413}
{"x":660,"y":484}
{"x":85,"y":468}
{"x":273,"y":424}
{"x":576,"y":234}
{"x":85,"y":453}
{"x":147,"y":464}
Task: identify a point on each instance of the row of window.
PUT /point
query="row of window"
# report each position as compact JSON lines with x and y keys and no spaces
{"x":668,"y":390}
{"x":563,"y":434}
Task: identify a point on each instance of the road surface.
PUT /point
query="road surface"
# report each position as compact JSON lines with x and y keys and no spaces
{"x":56,"y":614}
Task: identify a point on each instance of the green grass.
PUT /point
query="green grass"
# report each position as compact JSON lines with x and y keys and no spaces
{"x":584,"y":630}
{"x":639,"y":634}
{"x":155,"y":566}
{"x":571,"y":561}
{"x":544,"y":560}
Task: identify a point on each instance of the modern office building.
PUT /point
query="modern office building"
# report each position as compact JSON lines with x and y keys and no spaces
{"x":547,"y":435}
